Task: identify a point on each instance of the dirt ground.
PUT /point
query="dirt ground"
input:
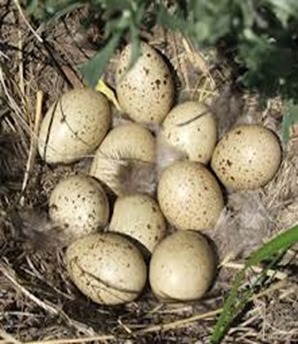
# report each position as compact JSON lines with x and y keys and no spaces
{"x":38,"y":302}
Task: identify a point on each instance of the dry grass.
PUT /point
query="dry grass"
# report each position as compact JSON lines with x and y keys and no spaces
{"x":38,"y":303}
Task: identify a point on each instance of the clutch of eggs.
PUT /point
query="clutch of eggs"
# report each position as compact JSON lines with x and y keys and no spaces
{"x":107,"y":243}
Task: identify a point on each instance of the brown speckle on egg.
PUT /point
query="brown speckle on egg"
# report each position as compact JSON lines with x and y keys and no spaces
{"x":139,"y":216}
{"x":76,"y":214}
{"x":107,"y":268}
{"x":251,"y":155}
{"x":182,"y":267}
{"x":189,"y":196}
{"x":145,"y":77}
{"x":126,"y":142}
{"x":74,"y":126}
{"x":190,"y":128}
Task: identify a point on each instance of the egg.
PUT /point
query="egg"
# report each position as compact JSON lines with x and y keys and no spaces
{"x":182,"y":267}
{"x":74,"y":126}
{"x":107,"y":268}
{"x":247,"y":157}
{"x":79,"y":205}
{"x":126,"y":142}
{"x":191,"y":128}
{"x":139,"y":216}
{"x":189,"y":196}
{"x":146,"y":90}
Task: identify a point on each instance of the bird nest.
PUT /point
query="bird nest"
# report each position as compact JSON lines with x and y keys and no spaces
{"x":38,"y":302}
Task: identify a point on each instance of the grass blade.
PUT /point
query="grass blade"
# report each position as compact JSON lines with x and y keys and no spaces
{"x":290,"y":117}
{"x":236,"y":299}
{"x":94,"y":68}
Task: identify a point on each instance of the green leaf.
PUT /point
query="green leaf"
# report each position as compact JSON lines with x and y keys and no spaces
{"x":284,"y":240}
{"x":94,"y":68}
{"x":113,"y":4}
{"x":52,"y":9}
{"x":237,"y":299}
{"x":290,"y":117}
{"x":135,"y":42}
{"x":284,"y":9}
{"x":32,"y":6}
{"x":63,"y":9}
{"x":170,"y":21}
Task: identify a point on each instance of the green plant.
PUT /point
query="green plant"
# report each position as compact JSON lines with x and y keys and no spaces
{"x":258,"y":37}
{"x":119,"y":18}
{"x":269,"y":254}
{"x":289,"y":119}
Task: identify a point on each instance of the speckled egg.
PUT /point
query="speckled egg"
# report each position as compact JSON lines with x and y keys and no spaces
{"x":79,"y":205}
{"x":182,"y":267}
{"x":189,"y":196}
{"x":247,"y":157}
{"x":146,"y":91}
{"x":74,"y":126}
{"x":107,"y":268}
{"x":191,"y":128}
{"x":126,"y":142}
{"x":139,"y":217}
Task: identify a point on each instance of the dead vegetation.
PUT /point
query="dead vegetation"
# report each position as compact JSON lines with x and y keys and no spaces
{"x":38,"y":303}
